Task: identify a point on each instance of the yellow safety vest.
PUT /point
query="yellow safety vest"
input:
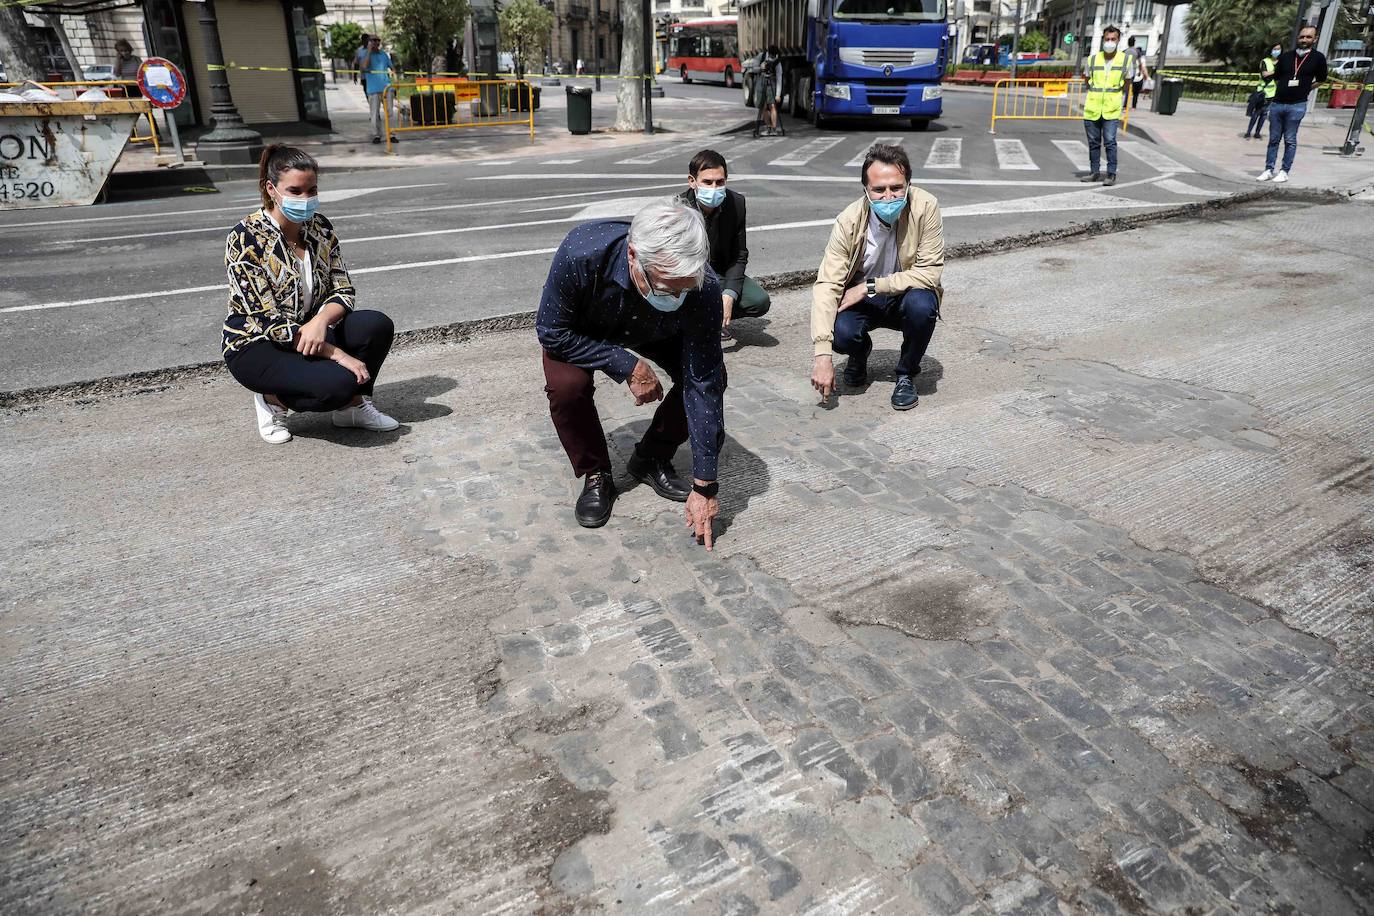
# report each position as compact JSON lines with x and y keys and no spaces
{"x":1106,"y":82}
{"x":1266,"y":83}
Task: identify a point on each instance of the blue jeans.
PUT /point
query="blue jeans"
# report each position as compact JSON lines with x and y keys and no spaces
{"x":1101,"y":133}
{"x":913,"y":313}
{"x":1284,"y":118}
{"x":1257,"y":121}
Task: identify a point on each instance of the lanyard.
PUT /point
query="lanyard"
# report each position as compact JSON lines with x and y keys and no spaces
{"x":1302,"y":59}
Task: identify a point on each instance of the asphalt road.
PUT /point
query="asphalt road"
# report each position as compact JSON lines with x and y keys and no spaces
{"x":108,"y":290}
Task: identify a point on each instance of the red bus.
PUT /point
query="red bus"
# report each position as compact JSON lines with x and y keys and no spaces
{"x":706,"y":50}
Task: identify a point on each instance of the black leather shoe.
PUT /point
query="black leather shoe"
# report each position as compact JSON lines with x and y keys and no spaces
{"x":598,"y":496}
{"x":1095,"y":176}
{"x":659,"y":474}
{"x":856,"y":369}
{"x":904,"y":396}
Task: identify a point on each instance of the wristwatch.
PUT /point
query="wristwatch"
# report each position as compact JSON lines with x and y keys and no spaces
{"x":872,"y":286}
{"x":709,"y":491}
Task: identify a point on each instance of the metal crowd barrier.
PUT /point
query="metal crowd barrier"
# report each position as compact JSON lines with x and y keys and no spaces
{"x":1042,"y":100}
{"x":439,"y":103}
{"x":115,"y":89}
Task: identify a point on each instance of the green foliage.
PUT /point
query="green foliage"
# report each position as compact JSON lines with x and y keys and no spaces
{"x":344,"y":39}
{"x":1034,"y":42}
{"x":525,"y":27}
{"x":1240,"y":32}
{"x":420,"y":30}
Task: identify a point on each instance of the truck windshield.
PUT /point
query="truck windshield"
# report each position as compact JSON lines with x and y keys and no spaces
{"x":920,"y":10}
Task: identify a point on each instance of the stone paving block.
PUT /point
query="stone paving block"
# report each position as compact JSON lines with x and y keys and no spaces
{"x":642,"y":681}
{"x":867,"y":673}
{"x":665,"y":641}
{"x":997,"y":741}
{"x":875,"y":825}
{"x":964,"y":839}
{"x":1023,"y":895}
{"x":782,"y":876}
{"x":1241,"y":888}
{"x":1067,"y":700}
{"x":1063,"y":802}
{"x":771,"y":701}
{"x":1012,"y":659}
{"x":1357,"y":781}
{"x":936,"y":889}
{"x":1012,"y":702}
{"x":676,"y":738}
{"x":692,"y":609}
{"x":1040,"y":843}
{"x":846,"y":716}
{"x":814,"y":749}
{"x":1161,"y":823}
{"x":1166,"y":884}
{"x":915,"y":719}
{"x":1341,"y":813}
{"x":1062,"y":746}
{"x":897,"y":769}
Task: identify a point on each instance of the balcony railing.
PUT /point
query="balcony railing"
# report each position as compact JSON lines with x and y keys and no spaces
{"x":578,"y":11}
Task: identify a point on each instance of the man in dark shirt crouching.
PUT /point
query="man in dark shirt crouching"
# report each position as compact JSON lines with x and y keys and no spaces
{"x":723,"y":210}
{"x":620,"y":294}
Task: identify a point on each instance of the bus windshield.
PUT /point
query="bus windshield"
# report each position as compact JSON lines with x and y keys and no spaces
{"x":914,"y":10}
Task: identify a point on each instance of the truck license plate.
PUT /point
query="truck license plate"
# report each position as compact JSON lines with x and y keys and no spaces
{"x":887,"y":109}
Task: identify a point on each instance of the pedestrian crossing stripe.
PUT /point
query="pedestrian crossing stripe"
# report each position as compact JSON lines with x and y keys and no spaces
{"x":1012,"y":154}
{"x":945,"y":153}
{"x":807,"y":152}
{"x":1151,"y":156}
{"x":858,"y":159}
{"x":1076,"y":151}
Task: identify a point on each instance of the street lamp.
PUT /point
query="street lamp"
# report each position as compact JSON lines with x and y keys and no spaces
{"x":230,"y":141}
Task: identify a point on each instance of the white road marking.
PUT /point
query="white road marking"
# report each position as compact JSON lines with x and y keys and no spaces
{"x":1178,"y":187}
{"x":609,"y":209}
{"x":219,"y":227}
{"x":1151,"y":156}
{"x":945,"y":153}
{"x":1012,"y":154}
{"x":1076,"y":151}
{"x":654,"y":155}
{"x":1086,"y":199}
{"x":821,"y":179}
{"x":560,"y":162}
{"x":858,"y":159}
{"x":805,"y":153}
{"x":334,"y":195}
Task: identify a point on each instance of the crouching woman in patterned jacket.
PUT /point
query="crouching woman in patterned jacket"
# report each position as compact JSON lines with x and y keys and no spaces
{"x":292,"y":336}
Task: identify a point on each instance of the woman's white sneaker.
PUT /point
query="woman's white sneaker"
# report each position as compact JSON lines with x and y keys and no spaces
{"x":365,"y":416}
{"x":1281,"y":177}
{"x":271,"y":421}
{"x":1264,"y":176}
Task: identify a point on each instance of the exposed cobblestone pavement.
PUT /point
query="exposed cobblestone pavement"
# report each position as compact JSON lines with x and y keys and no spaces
{"x":1088,"y":631}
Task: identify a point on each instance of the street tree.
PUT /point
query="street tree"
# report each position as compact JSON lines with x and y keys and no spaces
{"x":629,"y":98}
{"x":17,"y":47}
{"x":1035,"y":42}
{"x":345,"y":38}
{"x":525,"y":27}
{"x":420,"y":30}
{"x":1239,"y":32}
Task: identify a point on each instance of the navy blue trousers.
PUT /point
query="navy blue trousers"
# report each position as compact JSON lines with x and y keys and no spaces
{"x":913,"y":313}
{"x":313,"y":383}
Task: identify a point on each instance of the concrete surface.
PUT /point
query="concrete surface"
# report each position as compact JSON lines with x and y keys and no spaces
{"x":1088,"y":631}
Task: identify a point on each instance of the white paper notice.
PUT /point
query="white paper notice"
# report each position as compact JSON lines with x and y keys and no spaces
{"x":158,"y":76}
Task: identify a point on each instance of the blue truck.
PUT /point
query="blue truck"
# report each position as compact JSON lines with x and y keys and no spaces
{"x":874,"y":59}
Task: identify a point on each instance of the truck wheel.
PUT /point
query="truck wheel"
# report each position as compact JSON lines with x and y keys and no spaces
{"x":920,"y":123}
{"x":748,"y":83}
{"x":797,"y":104}
{"x":683,"y":73}
{"x":729,"y":78}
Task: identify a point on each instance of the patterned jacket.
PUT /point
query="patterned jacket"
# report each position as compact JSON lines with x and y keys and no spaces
{"x":265,"y":285}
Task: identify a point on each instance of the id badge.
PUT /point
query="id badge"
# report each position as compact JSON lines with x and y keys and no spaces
{"x":1292,"y":82}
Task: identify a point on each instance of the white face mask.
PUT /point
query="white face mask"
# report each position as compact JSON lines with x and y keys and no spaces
{"x":1302,"y":52}
{"x":1109,"y":46}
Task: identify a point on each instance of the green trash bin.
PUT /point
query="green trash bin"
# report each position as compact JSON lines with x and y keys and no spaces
{"x":1170,"y":91}
{"x":579,"y":109}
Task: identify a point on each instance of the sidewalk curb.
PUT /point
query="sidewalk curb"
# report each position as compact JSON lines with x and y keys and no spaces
{"x":154,"y":380}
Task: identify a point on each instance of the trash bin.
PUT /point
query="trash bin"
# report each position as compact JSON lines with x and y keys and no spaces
{"x":432,"y":109}
{"x":1170,"y":91}
{"x":579,"y":109}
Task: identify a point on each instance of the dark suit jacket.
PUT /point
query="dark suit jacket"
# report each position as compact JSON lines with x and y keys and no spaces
{"x":725,"y":229}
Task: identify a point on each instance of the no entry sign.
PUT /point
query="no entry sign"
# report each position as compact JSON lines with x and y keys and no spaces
{"x":161,"y":82}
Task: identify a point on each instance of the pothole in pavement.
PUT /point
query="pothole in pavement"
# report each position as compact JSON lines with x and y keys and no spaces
{"x":945,"y":602}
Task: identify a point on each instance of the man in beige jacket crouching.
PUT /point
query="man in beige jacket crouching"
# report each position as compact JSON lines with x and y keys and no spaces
{"x":881,"y":269}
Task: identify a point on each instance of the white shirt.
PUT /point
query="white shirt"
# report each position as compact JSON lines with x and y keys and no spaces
{"x":307,"y":282}
{"x":880,"y":248}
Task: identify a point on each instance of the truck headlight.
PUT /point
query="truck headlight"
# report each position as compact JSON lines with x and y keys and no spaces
{"x":837,"y":90}
{"x":930,"y":92}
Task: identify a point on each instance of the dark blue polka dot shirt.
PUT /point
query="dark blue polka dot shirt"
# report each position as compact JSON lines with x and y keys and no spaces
{"x":593,"y":316}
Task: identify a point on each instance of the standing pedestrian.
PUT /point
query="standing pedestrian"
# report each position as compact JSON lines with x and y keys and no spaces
{"x":770,"y":89}
{"x":377,"y":69}
{"x":1260,"y":99}
{"x":1105,"y":76}
{"x":126,"y":62}
{"x":1139,"y":72}
{"x":1296,"y":72}
{"x":357,"y":64}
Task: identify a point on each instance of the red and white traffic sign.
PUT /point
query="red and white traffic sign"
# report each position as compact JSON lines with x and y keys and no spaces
{"x":161,"y":82}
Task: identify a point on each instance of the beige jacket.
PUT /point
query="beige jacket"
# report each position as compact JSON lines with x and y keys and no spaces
{"x":920,"y":260}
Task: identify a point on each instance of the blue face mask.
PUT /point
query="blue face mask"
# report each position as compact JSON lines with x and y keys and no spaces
{"x":888,"y":210}
{"x":665,"y":303}
{"x":1275,"y":53}
{"x":299,"y":209}
{"x":710,"y":197}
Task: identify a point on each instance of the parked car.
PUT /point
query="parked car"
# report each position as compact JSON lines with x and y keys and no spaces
{"x":1349,"y":68}
{"x":98,"y":72}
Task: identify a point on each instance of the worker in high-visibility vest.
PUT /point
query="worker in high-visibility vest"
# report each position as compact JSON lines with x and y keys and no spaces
{"x":1263,"y":95}
{"x":1105,"y":75}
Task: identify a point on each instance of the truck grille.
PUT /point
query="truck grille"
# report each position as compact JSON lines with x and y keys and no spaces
{"x":885,"y":57}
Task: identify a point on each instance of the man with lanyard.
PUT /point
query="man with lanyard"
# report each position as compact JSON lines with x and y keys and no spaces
{"x":1264,"y":94}
{"x":1296,"y":73}
{"x":618,"y":295}
{"x":1106,"y":78}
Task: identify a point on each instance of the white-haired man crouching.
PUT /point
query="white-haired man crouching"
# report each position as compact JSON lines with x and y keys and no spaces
{"x":620,"y":294}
